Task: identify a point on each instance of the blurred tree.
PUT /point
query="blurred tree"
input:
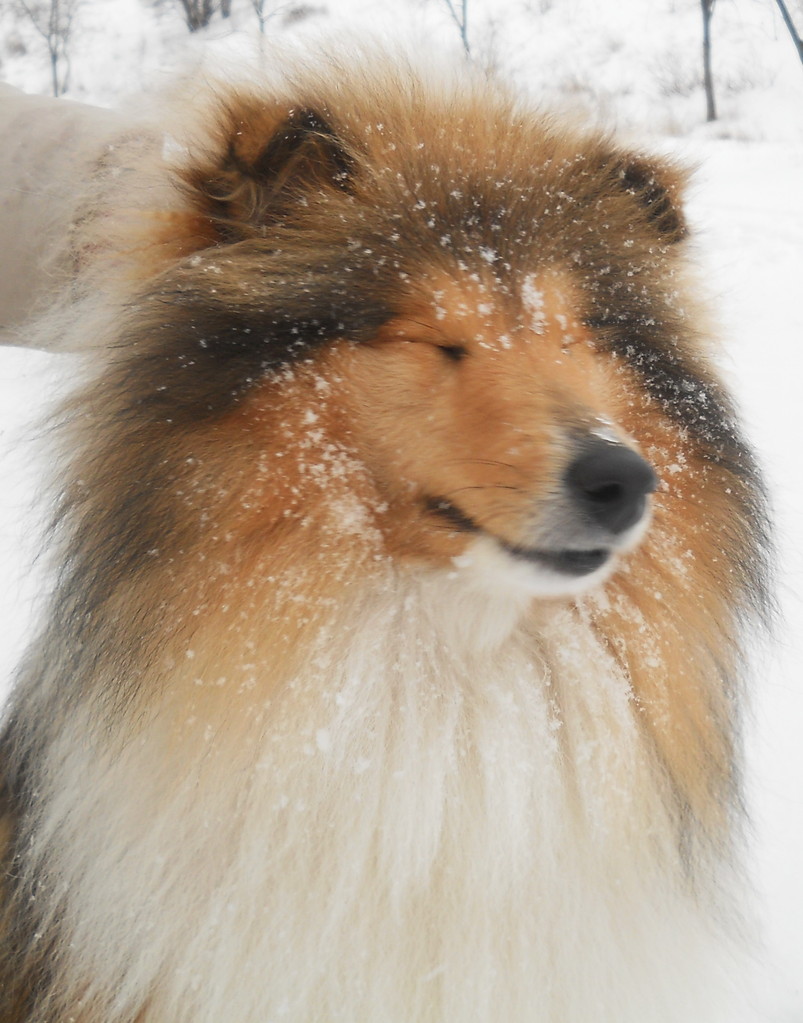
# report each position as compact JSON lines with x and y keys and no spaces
{"x":459,"y":12}
{"x":787,"y":18}
{"x":288,"y":14}
{"x":294,"y":14}
{"x":54,"y":22}
{"x":198,"y":13}
{"x":708,"y":76}
{"x":260,"y":9}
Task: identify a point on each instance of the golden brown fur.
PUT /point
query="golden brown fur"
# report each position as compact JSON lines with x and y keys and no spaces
{"x":367,"y":330}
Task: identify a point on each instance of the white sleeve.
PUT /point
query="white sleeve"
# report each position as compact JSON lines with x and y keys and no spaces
{"x":50,"y":149}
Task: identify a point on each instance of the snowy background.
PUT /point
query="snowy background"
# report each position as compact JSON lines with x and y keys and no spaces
{"x":634,"y":64}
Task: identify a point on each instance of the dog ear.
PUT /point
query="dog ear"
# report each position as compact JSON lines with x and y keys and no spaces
{"x":270,"y":165}
{"x":304,"y":148}
{"x":656,"y":187}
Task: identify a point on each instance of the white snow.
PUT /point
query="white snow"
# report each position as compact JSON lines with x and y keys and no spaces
{"x":750,"y":206}
{"x":638,"y":63}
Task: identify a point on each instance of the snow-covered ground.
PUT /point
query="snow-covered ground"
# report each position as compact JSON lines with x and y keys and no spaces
{"x":749,"y":208}
{"x":638,"y":61}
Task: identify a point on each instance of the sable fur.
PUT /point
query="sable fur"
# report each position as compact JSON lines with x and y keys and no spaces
{"x":290,"y":745}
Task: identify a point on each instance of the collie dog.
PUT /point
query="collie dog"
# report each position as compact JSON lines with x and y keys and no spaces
{"x":407,"y":547}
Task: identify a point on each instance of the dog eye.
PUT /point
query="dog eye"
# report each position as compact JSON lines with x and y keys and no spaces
{"x":454,"y":353}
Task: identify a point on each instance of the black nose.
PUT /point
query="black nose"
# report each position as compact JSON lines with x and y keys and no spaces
{"x":609,"y":484}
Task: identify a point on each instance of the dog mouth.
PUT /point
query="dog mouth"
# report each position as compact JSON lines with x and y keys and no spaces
{"x":565,"y":562}
{"x":569,"y":561}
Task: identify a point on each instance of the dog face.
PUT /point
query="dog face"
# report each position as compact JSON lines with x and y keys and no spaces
{"x":483,"y":314}
{"x":490,"y":430}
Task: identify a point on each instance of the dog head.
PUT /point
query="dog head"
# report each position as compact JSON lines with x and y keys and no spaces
{"x":483,"y":308}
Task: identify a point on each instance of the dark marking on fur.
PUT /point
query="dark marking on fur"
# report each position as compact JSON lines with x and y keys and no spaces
{"x":641,"y":180}
{"x":212,"y":345}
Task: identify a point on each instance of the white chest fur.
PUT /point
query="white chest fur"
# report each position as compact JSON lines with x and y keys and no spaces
{"x":450,"y":815}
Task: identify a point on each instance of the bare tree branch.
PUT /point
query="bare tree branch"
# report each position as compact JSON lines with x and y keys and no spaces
{"x":261,"y":13}
{"x":787,"y":17}
{"x":708,"y":75}
{"x":461,"y":20}
{"x":53,"y":20}
{"x":198,"y":13}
